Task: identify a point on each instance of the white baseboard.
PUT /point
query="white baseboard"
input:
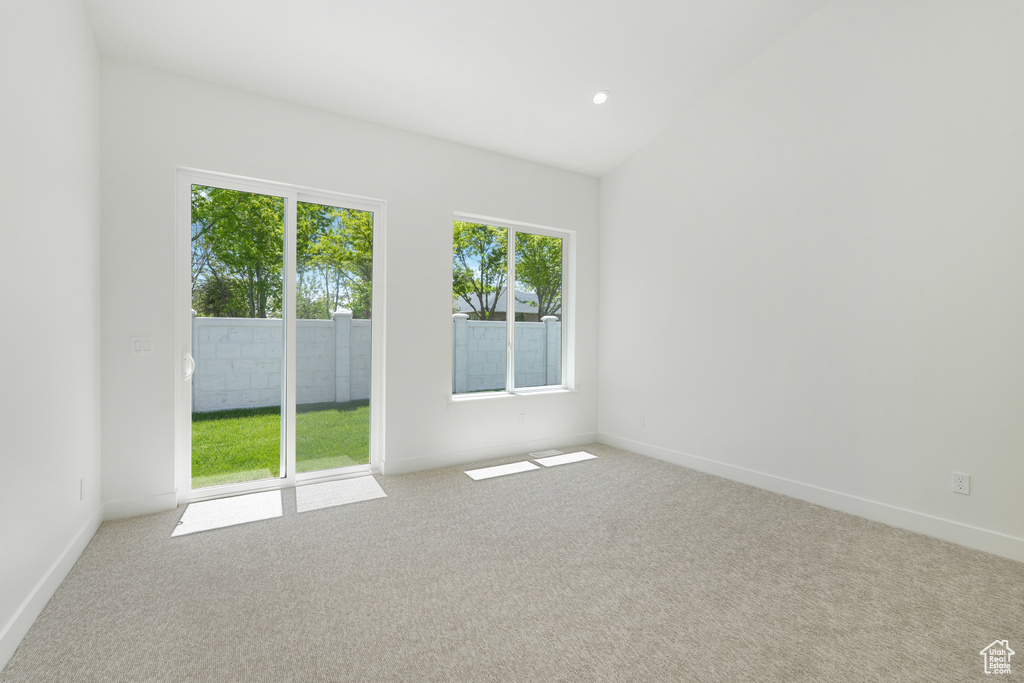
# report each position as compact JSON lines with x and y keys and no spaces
{"x":133,"y":507}
{"x":987,"y":540}
{"x":14,"y":630}
{"x":450,"y":459}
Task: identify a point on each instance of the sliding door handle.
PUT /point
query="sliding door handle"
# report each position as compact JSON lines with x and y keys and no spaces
{"x":188,"y":366}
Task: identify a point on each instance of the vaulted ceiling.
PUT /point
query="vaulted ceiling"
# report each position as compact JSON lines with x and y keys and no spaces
{"x":512,"y":77}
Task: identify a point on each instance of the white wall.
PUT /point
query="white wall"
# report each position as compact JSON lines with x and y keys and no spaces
{"x":49,"y":281}
{"x":827,"y":259}
{"x":154,"y":121}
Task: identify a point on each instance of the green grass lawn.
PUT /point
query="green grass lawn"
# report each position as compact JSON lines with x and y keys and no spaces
{"x":244,"y":445}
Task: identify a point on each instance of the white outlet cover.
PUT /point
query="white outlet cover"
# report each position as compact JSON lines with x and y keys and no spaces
{"x":961,"y":483}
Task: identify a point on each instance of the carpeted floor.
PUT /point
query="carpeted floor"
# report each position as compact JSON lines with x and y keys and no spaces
{"x":620,"y":568}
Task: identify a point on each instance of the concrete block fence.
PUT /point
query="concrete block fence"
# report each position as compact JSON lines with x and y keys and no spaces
{"x":478,"y":354}
{"x":238,"y":360}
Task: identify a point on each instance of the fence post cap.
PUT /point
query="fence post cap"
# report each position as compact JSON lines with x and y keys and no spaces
{"x":460,"y":316}
{"x":552,"y":318}
{"x":194,"y":314}
{"x":340,"y":312}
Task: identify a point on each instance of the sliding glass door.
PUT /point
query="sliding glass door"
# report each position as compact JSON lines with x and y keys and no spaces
{"x":333,"y":302}
{"x":238,"y":338}
{"x":279,"y":350}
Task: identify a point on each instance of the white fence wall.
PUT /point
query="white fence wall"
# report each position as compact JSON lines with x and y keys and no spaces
{"x":314,"y":361}
{"x":359,"y":359}
{"x":478,"y":360}
{"x":238,"y":361}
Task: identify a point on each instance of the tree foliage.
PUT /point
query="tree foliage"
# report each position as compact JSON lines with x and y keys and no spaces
{"x":239,"y":240}
{"x":220,"y":298}
{"x":479,"y":268}
{"x":237,"y":256}
{"x":539,"y":270}
{"x":337,"y":258}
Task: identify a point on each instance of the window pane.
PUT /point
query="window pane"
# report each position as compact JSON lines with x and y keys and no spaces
{"x":479,"y":281}
{"x":333,"y":295}
{"x":237,"y":335}
{"x":538,"y":311}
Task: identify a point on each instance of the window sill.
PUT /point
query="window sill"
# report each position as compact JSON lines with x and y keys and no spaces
{"x":524,"y":393}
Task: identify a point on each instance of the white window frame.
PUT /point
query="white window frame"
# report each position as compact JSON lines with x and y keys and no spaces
{"x":292,"y":195}
{"x":568,"y":311}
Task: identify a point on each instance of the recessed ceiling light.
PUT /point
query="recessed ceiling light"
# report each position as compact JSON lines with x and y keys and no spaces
{"x":601,"y":96}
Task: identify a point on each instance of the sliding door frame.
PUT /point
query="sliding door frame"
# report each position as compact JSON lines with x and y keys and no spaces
{"x":292,"y":195}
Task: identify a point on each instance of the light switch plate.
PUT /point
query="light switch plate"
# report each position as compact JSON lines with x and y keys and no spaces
{"x":141,"y":346}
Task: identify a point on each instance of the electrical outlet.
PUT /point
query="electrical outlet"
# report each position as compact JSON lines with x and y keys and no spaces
{"x":962,"y":483}
{"x":81,"y":489}
{"x":522,"y":418}
{"x":643,"y":420}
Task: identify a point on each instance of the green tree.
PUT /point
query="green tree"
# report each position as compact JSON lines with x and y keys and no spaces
{"x":220,"y":297}
{"x":237,"y":256}
{"x":314,"y":298}
{"x":539,"y":270}
{"x":310,"y":301}
{"x":239,"y":236}
{"x":479,"y":269}
{"x":354,"y":253}
{"x":338,"y":256}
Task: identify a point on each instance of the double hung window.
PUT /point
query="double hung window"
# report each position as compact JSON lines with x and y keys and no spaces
{"x":509,"y":305}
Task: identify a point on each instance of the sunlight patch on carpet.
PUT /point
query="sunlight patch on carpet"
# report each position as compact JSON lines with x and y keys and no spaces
{"x":501,"y":470}
{"x":341,"y":492}
{"x":565,"y":459}
{"x":216,"y":514}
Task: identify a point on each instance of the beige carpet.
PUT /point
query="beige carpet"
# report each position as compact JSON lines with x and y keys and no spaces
{"x":619,"y":568}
